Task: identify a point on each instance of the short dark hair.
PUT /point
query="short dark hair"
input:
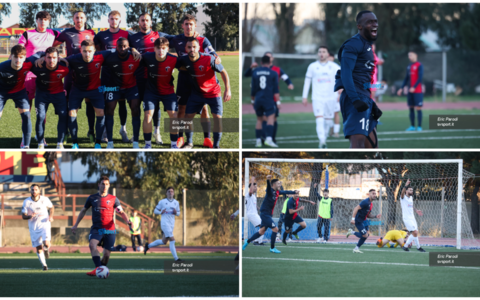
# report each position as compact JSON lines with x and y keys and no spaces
{"x":192,"y":39}
{"x":43,"y":15}
{"x":326,"y":190}
{"x":372,"y":190}
{"x":331,"y":54}
{"x":34,"y":185}
{"x":274,"y":180}
{"x":102,"y":178}
{"x":52,"y":50}
{"x":161,"y":41}
{"x":324,"y":47}
{"x":18,"y":50}
{"x":189,"y":17}
{"x":79,"y":11}
{"x":122,"y":39}
{"x":170,"y":188}
{"x":265,"y":59}
{"x":360,"y":14}
{"x":144,"y":14}
{"x":268,"y":52}
{"x":87,"y":43}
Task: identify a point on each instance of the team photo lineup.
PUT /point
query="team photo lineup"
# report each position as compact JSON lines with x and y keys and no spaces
{"x":111,"y":67}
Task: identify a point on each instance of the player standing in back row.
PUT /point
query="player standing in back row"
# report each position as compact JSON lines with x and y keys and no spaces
{"x":359,"y":111}
{"x":406,"y":200}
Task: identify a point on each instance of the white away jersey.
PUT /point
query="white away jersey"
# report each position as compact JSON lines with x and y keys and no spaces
{"x":407,"y":207}
{"x":251,"y":204}
{"x":323,"y":80}
{"x":40,"y":207}
{"x":168,"y":218}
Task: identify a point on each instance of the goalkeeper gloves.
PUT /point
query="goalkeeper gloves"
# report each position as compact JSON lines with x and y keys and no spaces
{"x":360,"y":106}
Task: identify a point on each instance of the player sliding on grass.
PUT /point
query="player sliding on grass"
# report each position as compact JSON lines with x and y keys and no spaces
{"x":103,"y":206}
{"x":266,"y":211}
{"x":406,"y":200}
{"x":359,"y":218}
{"x":291,"y":216}
{"x":396,"y":236}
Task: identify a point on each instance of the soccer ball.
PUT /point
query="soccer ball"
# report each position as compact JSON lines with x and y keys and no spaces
{"x":140,"y":248}
{"x":102,"y":272}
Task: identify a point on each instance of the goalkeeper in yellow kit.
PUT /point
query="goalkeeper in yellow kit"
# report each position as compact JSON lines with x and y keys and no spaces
{"x":396,"y":236}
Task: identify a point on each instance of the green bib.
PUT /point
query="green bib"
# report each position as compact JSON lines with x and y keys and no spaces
{"x":135,"y":223}
{"x":284,"y":209}
{"x":324,"y":208}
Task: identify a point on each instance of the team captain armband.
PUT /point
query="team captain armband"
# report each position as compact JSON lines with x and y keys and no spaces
{"x":119,"y":208}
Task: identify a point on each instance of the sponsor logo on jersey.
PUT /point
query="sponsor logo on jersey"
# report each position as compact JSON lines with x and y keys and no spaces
{"x":167,"y":68}
{"x":201,"y":68}
{"x":115,"y":66}
{"x":97,"y":65}
{"x":369,"y":49}
{"x":80,"y":67}
{"x":152,"y":65}
{"x":151,"y":39}
{"x":108,"y":202}
{"x":43,"y":74}
{"x":130,"y":66}
{"x":137,"y":41}
{"x":106,"y":38}
{"x":180,"y":43}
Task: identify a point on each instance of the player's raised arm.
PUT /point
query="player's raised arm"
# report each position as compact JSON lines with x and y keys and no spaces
{"x":289,"y":192}
{"x":404,"y":190}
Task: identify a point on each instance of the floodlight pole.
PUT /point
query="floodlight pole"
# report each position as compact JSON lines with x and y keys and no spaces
{"x":245,"y":219}
{"x":184,"y":217}
{"x":459,"y":204}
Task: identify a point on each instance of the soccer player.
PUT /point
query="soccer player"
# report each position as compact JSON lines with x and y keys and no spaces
{"x":49,"y":90}
{"x":396,"y":236}
{"x":359,"y":111}
{"x":251,"y":210}
{"x":281,"y":220}
{"x":291,"y":216}
{"x":264,"y":93}
{"x":103,"y":229}
{"x":106,"y":40}
{"x":325,"y":214}
{"x":406,"y":200}
{"x":266,"y":211}
{"x":160,"y":66}
{"x":202,"y":68}
{"x":321,"y":75}
{"x":359,"y":217}
{"x":414,"y":78}
{"x":137,"y":230}
{"x":122,"y":85}
{"x":38,"y":210}
{"x":168,"y":208}
{"x":12,"y":86}
{"x":36,"y":40}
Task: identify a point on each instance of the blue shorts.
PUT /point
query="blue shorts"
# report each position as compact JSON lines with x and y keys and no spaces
{"x":196,"y":103}
{"x":184,"y":87}
{"x":355,"y":122}
{"x":289,"y":222}
{"x":129,"y":94}
{"x":151,"y":100}
{"x":108,"y":238}
{"x":282,"y":218}
{"x":362,"y":227}
{"x":415,"y":99}
{"x":20,"y":99}
{"x":141,"y":86}
{"x":267,"y":221}
{"x":68,"y":84}
{"x":266,"y":108}
{"x":77,"y":96}
{"x":43,"y":99}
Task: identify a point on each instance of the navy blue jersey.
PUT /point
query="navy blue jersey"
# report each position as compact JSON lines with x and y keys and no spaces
{"x":106,"y":40}
{"x":271,"y":198}
{"x":50,"y":81}
{"x":121,"y":70}
{"x":103,"y":210}
{"x":264,"y":84}
{"x":73,"y":38}
{"x":291,"y":204}
{"x":357,"y":68}
{"x":160,"y":79}
{"x":366,"y":207}
{"x":203,"y":70}
{"x":11,"y":80}
{"x":86,"y":75}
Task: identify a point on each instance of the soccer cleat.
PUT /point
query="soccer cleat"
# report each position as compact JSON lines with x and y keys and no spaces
{"x":322,"y":146}
{"x":91,"y":137}
{"x":145,"y":249}
{"x":357,"y":251}
{"x":47,"y":252}
{"x":98,"y":146}
{"x":174,"y":146}
{"x":284,"y":241}
{"x":158,"y":138}
{"x":271,"y":144}
{"x":75,"y":146}
{"x":245,"y":245}
{"x":92,"y":273}
{"x":296,"y":236}
{"x":187,"y":146}
{"x":179,"y":260}
{"x":319,"y":240}
{"x":411,"y":128}
{"x":45,"y":268}
{"x":26,"y":147}
{"x":207,"y":142}
{"x":274,"y":250}
{"x":180,"y":142}
{"x":405,"y":249}
{"x":135,"y":145}
{"x":215,"y":147}
{"x":148,"y":146}
{"x":41,"y":146}
{"x":104,"y":136}
{"x":289,"y":239}
{"x":419,"y":128}
{"x":421,"y":249}
{"x":124,"y":135}
{"x":110,"y":145}
{"x":60,"y":146}
{"x":350,"y":232}
{"x":258,"y":144}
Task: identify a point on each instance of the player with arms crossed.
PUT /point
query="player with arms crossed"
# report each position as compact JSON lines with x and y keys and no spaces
{"x":169,"y":208}
{"x":264,"y":90}
{"x":251,"y":210}
{"x":321,"y":74}
{"x":103,"y":206}
{"x":266,"y":212}
{"x":359,"y":217}
{"x":291,"y":216}
{"x":359,"y":111}
{"x":406,"y":200}
{"x":38,"y":210}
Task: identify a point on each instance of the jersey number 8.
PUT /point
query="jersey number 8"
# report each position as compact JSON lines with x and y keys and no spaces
{"x":263,"y":82}
{"x":110,"y":96}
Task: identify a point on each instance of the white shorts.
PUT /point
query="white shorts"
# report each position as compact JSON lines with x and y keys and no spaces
{"x":40,"y":236}
{"x":254,"y":219}
{"x":411,"y":224}
{"x":325,"y":108}
{"x":167,"y":231}
{"x":336,"y":106}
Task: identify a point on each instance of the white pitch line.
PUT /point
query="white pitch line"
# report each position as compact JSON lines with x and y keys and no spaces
{"x":353,"y":262}
{"x":115,"y":257}
{"x":345,"y":249}
{"x":79,"y":269}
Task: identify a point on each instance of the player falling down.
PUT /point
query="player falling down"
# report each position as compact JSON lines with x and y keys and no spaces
{"x":264,"y":93}
{"x":360,"y":113}
{"x":103,"y":229}
{"x":168,"y":208}
{"x":38,"y":210}
{"x":414,"y":78}
{"x":291,"y":216}
{"x":396,"y":236}
{"x":359,"y":217}
{"x":252,"y":211}
{"x":266,"y":211}
{"x":406,"y":200}
{"x":325,"y":102}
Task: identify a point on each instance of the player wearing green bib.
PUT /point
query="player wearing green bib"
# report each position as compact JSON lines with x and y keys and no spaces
{"x":325,"y":214}
{"x":137,"y":230}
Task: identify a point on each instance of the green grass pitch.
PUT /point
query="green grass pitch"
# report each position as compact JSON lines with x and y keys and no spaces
{"x":11,"y":131}
{"x":131,"y":275}
{"x":319,"y":270}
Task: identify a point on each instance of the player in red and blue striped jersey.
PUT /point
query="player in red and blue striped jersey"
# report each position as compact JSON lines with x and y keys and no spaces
{"x":160,"y":66}
{"x":202,"y":68}
{"x":12,"y":86}
{"x":49,"y":89}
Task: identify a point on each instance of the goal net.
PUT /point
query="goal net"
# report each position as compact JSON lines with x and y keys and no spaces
{"x":438,"y":193}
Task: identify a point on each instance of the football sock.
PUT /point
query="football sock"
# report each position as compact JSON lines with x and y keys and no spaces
{"x":206,"y":126}
{"x":280,"y":223}
{"x":173,"y":250}
{"x":275,"y":127}
{"x":155,"y":243}
{"x":260,"y":239}
{"x":255,"y":236}
{"x":61,"y":127}
{"x":300,"y":228}
{"x":409,"y":240}
{"x":412,"y":116}
{"x":156,"y":116}
{"x":328,"y":124}
{"x":97,"y":261}
{"x":269,"y":131}
{"x":356,"y":247}
{"x":156,"y":129}
{"x":26,"y":128}
{"x":109,"y":126}
{"x":336,"y":128}
{"x":321,"y":130}
{"x":361,"y":241}
{"x":258,"y":133}
{"x":122,"y":113}
{"x":73,"y":126}
{"x":264,"y":129}
{"x":40,"y":127}
{"x":91,"y":117}
{"x":147,"y":137}
{"x":358,"y":234}
{"x":41,"y":256}
{"x":417,"y":241}
{"x":285,"y":234}
{"x":189,"y":136}
{"x":173,"y":138}
{"x":136,"y":127}
{"x":272,"y":241}
{"x":217,"y":136}
{"x":99,"y":128}
{"x":419,"y":118}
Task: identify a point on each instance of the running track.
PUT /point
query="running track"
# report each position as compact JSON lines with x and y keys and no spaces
{"x":85,"y":249}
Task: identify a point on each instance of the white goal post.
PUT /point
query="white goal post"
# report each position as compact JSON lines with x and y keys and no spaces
{"x":438,"y":191}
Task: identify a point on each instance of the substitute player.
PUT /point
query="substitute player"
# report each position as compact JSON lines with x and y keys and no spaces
{"x":264,"y":93}
{"x":38,"y":210}
{"x":414,"y":78}
{"x":103,"y":229}
{"x":396,"y":236}
{"x":325,"y":215}
{"x":406,"y":200}
{"x":136,"y":231}
{"x":266,"y":211}
{"x":252,"y":211}
{"x":168,"y":208}
{"x":291,"y":216}
{"x":359,"y":111}
{"x":359,"y":217}
{"x":321,"y":75}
